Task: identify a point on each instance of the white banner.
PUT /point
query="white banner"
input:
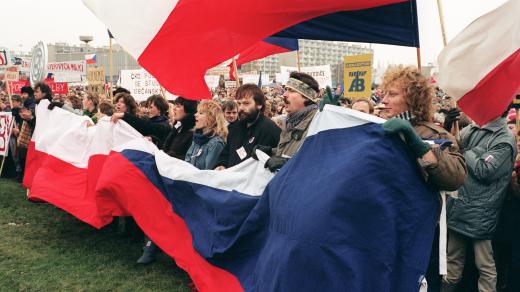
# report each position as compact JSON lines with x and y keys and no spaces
{"x":265,"y":79}
{"x":212,"y":81}
{"x":6,"y":125}
{"x":322,"y":74}
{"x":250,"y":78}
{"x":68,"y":71}
{"x":142,"y":84}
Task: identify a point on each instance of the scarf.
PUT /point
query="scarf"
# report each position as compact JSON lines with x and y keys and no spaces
{"x":294,"y":119}
{"x":408,"y":116}
{"x":199,"y":138}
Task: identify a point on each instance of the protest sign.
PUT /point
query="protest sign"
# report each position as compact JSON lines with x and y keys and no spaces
{"x":322,"y":74}
{"x":212,"y":81}
{"x":230,"y":84}
{"x":16,"y":86}
{"x":250,"y":78}
{"x":11,"y":74}
{"x":71,"y":71}
{"x":58,"y":87}
{"x":6,"y":124}
{"x":142,"y":84}
{"x":358,"y":76}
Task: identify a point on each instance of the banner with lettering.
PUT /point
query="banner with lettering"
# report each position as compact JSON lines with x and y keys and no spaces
{"x":6,"y":125}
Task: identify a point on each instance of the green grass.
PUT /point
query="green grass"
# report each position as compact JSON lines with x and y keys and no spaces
{"x":43,"y":248}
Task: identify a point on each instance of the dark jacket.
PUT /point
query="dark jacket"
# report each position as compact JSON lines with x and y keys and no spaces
{"x":175,"y":141}
{"x":490,"y":152}
{"x":262,"y":132}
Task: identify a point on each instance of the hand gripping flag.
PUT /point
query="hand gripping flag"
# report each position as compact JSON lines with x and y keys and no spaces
{"x":177,"y":41}
{"x":480,"y":67}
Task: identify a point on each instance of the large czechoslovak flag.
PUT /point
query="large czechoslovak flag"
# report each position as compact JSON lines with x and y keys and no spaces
{"x":177,"y":41}
{"x":480,"y":67}
{"x":336,"y":217}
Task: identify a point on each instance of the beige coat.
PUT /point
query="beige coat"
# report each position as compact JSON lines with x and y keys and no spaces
{"x":291,"y":141}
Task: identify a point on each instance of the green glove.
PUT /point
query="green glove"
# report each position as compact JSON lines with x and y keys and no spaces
{"x":329,"y":98}
{"x":399,"y":126}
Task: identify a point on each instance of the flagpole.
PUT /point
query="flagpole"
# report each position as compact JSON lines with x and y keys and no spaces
{"x":419,"y":58}
{"x":235,"y":68}
{"x":441,"y":18}
{"x":298,"y":60}
{"x":455,"y":129}
{"x":110,"y":72}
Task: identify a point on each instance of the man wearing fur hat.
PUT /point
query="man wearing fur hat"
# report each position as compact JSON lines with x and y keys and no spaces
{"x":28,"y":97}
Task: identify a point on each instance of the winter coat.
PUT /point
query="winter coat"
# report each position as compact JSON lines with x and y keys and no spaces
{"x":263,"y":132}
{"x":204,"y":151}
{"x":450,"y":171}
{"x":490,"y":152}
{"x":175,"y":141}
{"x":292,"y":140}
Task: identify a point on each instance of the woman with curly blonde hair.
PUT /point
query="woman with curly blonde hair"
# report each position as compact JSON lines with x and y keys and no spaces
{"x":210,"y":136}
{"x":407,"y":101}
{"x":407,"y":104}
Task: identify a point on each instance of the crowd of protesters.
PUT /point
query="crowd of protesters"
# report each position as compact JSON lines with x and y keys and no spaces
{"x":479,"y":162}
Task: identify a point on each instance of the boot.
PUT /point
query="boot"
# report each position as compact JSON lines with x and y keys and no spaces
{"x":149,"y":253}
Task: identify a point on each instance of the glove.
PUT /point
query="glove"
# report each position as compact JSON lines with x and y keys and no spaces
{"x":54,"y":104}
{"x":266,"y":149}
{"x":328,"y":98}
{"x":451,"y":116}
{"x":397,"y":126}
{"x":275,"y":163}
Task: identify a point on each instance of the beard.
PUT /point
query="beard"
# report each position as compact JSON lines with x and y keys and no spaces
{"x":248,"y":117}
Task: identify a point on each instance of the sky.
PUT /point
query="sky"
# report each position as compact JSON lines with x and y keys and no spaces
{"x":29,"y":21}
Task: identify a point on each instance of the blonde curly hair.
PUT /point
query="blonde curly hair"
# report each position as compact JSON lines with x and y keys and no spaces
{"x":417,"y":89}
{"x":216,"y":124}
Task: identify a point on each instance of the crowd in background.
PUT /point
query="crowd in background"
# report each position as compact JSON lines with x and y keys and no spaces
{"x":222,"y":132}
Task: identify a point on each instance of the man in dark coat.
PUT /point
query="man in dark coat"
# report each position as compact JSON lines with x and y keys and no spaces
{"x":252,"y":128}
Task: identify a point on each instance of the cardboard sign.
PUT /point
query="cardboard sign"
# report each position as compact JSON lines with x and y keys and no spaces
{"x":358,"y":76}
{"x":6,"y":125}
{"x":96,"y":76}
{"x":322,"y":74}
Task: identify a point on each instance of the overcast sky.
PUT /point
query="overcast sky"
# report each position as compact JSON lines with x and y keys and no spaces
{"x":26,"y":22}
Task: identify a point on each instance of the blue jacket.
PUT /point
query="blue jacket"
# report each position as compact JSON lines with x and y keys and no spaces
{"x":204,"y":153}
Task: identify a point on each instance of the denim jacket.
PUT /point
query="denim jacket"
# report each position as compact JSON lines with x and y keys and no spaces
{"x":205,"y":155}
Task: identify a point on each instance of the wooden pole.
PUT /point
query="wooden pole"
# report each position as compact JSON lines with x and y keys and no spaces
{"x":517,"y":119}
{"x":441,"y":18}
{"x":8,"y":88}
{"x":110,"y":72}
{"x":235,"y":67}
{"x":419,"y":58}
{"x":298,"y":63}
{"x":455,"y":129}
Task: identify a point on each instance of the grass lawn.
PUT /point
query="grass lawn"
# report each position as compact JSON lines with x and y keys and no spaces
{"x":42,"y":248}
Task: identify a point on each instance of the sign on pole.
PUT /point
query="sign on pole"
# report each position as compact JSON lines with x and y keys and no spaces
{"x":6,"y":124}
{"x":96,"y":79}
{"x":212,"y":81}
{"x":358,"y":76}
{"x":39,"y":61}
{"x":11,"y":74}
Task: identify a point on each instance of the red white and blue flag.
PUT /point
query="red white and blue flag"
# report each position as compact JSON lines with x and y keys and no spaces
{"x":480,"y":67}
{"x":91,"y":59}
{"x":177,"y":41}
{"x":336,"y":217}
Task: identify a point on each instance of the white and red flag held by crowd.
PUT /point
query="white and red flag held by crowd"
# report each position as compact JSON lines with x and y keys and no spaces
{"x":481,"y":66}
{"x":177,"y":41}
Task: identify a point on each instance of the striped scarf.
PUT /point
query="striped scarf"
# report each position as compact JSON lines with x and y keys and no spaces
{"x":407,"y":115}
